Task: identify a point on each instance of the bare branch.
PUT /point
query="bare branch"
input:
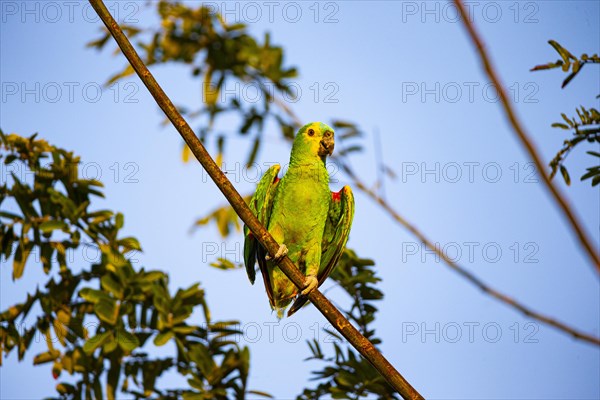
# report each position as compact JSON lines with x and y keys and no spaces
{"x":466,"y":274}
{"x":526,"y":142}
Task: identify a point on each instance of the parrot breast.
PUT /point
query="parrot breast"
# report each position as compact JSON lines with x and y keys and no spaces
{"x":298,"y":219}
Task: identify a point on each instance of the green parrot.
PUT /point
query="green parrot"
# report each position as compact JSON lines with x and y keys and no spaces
{"x":310,"y":222}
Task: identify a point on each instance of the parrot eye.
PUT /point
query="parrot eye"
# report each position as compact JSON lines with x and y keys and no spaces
{"x":328,"y":134}
{"x":311,"y":132}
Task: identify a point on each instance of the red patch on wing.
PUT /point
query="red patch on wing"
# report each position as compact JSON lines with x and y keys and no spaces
{"x":276,"y":179}
{"x":336,"y":196}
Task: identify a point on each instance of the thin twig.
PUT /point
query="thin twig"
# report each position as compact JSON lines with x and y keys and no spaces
{"x":466,"y":274}
{"x":526,"y":142}
{"x":379,"y":162}
{"x":356,"y":339}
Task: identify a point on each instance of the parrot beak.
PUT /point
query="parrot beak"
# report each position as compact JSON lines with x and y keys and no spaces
{"x":326,"y":144}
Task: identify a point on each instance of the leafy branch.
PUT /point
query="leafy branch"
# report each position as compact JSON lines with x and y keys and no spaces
{"x":568,"y":62}
{"x":345,"y":374}
{"x":225,"y":56}
{"x":587,"y":118}
{"x":98,"y":320}
{"x":586,"y":129}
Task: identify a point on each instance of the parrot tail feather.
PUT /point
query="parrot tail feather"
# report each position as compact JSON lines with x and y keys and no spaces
{"x":298,"y":304}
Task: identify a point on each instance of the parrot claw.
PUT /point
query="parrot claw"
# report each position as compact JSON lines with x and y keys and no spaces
{"x":310,"y":284}
{"x":282,"y":252}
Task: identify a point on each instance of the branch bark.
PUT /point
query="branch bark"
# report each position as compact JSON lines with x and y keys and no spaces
{"x":584,"y":241}
{"x":354,"y":337}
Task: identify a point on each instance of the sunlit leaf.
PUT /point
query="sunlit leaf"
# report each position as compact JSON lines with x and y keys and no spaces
{"x":162,"y":338}
{"x":127,"y":341}
{"x":49,"y":226}
{"x":95,"y":342}
{"x":565,"y":175}
{"x":107,"y":310}
{"x":46,"y":357}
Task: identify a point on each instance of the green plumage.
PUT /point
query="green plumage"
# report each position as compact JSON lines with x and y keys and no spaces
{"x":301,"y":212}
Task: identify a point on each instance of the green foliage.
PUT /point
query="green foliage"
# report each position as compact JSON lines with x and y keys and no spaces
{"x":587,"y":128}
{"x":346,"y":374}
{"x":224,"y":218}
{"x":98,"y":319}
{"x":568,"y":62}
{"x":357,"y":277}
{"x":224,"y":56}
{"x":593,"y":172}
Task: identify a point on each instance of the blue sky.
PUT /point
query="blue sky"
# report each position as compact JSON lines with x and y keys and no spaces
{"x":406,"y":70}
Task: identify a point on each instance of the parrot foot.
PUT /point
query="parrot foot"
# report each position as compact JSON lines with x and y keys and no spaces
{"x":310,"y":284}
{"x":282,"y":252}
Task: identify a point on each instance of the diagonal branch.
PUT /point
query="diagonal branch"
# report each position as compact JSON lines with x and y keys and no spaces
{"x":526,"y":142}
{"x":484,"y":287}
{"x":356,"y":339}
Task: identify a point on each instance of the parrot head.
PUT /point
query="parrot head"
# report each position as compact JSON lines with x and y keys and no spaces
{"x":313,"y":140}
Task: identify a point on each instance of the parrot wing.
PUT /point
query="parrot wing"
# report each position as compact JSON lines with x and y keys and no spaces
{"x":261,"y":205}
{"x":335,"y":236}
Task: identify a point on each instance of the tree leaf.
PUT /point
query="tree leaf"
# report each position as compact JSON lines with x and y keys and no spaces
{"x":61,"y":331}
{"x":130,"y":243}
{"x":93,"y":295}
{"x":46,"y":357}
{"x":564,"y":53}
{"x":559,"y":125}
{"x":565,"y":175}
{"x":162,"y":338}
{"x":200,"y":355}
{"x":541,"y":67}
{"x":65,"y":388}
{"x":211,"y":92}
{"x":110,"y":345}
{"x":119,"y":220}
{"x":185,"y":153}
{"x":569,"y":79}
{"x":567,"y":120}
{"x":126,"y":72}
{"x":591,"y":172}
{"x":224,"y":264}
{"x":112,"y":285}
{"x":259,"y":393}
{"x":7,"y":214}
{"x":107,"y":310}
{"x":20,"y":259}
{"x":95,"y":342}
{"x":127,"y":341}
{"x":49,"y":226}
{"x":253,"y":152}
